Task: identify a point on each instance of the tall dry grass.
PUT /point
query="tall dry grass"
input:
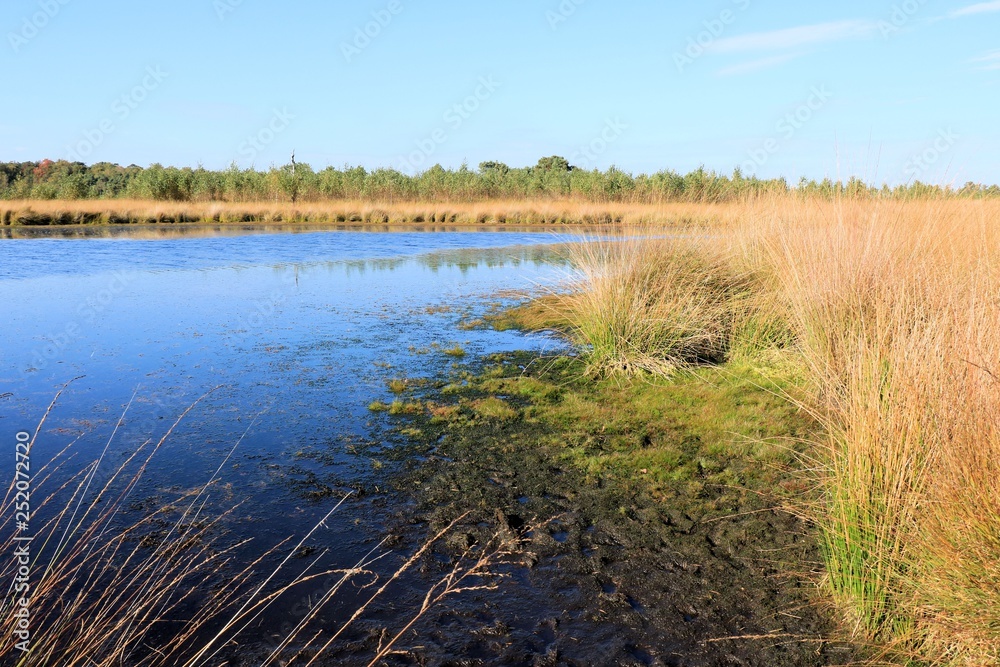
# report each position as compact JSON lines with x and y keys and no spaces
{"x":854,"y":314}
{"x":893,"y":311}
{"x":896,"y":311}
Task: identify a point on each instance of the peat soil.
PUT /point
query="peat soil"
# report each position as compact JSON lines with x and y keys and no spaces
{"x":603,"y":569}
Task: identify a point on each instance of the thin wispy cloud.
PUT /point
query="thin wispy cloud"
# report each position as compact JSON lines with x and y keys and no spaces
{"x":755,"y":65}
{"x":792,"y":38}
{"x":987,"y":62}
{"x":978,"y":8}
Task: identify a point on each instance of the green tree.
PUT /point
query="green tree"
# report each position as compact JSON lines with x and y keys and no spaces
{"x":554,"y":163}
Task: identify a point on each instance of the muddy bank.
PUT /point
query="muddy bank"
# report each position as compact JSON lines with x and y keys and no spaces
{"x":616,"y":564}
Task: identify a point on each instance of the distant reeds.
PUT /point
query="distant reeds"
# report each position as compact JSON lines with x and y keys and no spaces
{"x":35,"y":213}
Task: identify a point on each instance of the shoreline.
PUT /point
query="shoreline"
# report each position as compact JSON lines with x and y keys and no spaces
{"x":645,"y":533}
{"x":195,"y":229}
{"x":374,"y":214}
{"x":42,"y":213}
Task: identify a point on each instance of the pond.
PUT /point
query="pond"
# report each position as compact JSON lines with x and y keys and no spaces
{"x":291,"y":336}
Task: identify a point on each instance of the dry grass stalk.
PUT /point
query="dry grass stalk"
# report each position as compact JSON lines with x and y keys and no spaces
{"x":114,"y":591}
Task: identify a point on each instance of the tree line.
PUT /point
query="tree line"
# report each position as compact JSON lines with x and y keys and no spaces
{"x":552,"y":177}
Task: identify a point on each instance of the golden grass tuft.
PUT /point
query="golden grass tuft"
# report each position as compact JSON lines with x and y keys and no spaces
{"x":648,"y":303}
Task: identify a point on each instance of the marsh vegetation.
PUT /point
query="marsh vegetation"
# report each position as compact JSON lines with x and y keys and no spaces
{"x":793,"y":395}
{"x":887,"y":317}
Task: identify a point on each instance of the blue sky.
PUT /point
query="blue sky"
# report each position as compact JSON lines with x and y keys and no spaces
{"x":889,"y":91}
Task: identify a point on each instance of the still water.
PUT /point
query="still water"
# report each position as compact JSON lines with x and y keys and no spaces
{"x":293,"y":335}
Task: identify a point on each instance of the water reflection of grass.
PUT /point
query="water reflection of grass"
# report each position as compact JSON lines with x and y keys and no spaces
{"x":464,"y":259}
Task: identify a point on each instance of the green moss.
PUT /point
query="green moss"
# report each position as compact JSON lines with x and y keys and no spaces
{"x":728,"y":427}
{"x":397,"y":407}
{"x":494,"y":408}
{"x":406,"y":408}
{"x":707,"y":426}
